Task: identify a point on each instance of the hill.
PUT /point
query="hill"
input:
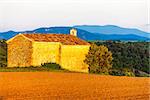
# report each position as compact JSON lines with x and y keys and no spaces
{"x":84,"y":33}
{"x":59,"y":30}
{"x":112,"y":29}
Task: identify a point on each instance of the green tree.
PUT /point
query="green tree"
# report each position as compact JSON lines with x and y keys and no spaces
{"x":99,"y":59}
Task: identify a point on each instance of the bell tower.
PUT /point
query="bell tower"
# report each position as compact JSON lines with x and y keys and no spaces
{"x":73,"y":32}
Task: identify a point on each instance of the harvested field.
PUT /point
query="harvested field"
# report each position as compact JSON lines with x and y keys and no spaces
{"x":71,"y":86}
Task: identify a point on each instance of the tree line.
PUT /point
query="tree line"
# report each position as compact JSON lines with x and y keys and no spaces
{"x":128,"y":56}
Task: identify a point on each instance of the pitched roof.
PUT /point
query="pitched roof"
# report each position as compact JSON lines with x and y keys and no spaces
{"x":63,"y":38}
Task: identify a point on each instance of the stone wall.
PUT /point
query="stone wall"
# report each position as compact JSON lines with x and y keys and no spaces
{"x":19,"y":52}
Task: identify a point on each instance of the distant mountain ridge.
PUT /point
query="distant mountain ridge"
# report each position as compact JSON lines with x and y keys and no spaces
{"x":88,"y":33}
{"x":112,"y":29}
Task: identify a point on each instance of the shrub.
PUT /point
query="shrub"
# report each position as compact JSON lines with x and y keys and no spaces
{"x":51,"y":66}
{"x":99,"y":59}
{"x":121,"y":72}
{"x":116,"y":72}
{"x":128,"y":72}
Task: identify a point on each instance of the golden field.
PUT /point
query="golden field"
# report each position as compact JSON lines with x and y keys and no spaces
{"x":71,"y":86}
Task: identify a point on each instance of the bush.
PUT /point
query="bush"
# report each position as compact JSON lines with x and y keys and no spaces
{"x":128,"y":72}
{"x":116,"y":72}
{"x":121,"y":72}
{"x":99,"y":59}
{"x":51,"y":66}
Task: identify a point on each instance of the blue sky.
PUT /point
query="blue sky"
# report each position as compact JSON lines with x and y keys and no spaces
{"x":20,"y":15}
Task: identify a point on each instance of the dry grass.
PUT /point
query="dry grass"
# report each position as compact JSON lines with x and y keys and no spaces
{"x":71,"y":86}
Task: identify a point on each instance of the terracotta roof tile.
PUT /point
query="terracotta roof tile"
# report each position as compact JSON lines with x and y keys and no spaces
{"x":63,"y":38}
